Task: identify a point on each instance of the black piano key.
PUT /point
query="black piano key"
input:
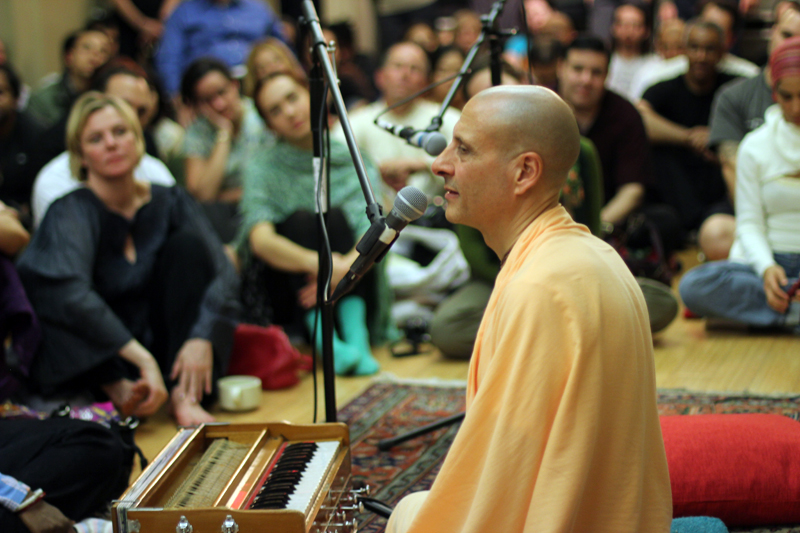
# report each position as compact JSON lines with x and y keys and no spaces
{"x":284,"y":477}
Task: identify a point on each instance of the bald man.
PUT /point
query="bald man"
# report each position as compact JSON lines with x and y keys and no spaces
{"x":561,"y":430}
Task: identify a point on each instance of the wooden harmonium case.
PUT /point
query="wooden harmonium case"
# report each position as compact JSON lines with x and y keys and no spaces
{"x":247,"y":478}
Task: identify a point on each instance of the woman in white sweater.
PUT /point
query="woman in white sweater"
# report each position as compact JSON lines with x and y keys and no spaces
{"x":754,"y":285}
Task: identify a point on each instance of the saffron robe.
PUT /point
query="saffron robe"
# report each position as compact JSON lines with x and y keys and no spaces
{"x":561,"y":432}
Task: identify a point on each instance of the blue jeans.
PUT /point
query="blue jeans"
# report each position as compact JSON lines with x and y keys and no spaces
{"x":724,"y":289}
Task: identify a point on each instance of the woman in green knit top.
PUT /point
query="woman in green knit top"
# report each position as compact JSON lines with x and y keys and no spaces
{"x":278,"y":244}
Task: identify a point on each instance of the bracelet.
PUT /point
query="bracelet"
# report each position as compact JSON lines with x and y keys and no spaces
{"x":223,"y":136}
{"x":32,"y":498}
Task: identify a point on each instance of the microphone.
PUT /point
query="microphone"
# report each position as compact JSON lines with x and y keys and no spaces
{"x":409,"y":205}
{"x":432,"y":142}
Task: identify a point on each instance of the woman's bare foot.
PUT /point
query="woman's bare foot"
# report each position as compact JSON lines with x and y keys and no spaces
{"x":126,"y":395}
{"x":187,"y":412}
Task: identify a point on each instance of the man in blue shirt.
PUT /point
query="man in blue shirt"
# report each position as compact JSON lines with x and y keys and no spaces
{"x":225,"y":29}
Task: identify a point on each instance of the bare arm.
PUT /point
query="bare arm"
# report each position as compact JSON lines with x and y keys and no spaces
{"x":41,"y":517}
{"x":727,"y":158}
{"x":628,"y":198}
{"x":13,"y":237}
{"x":659,"y":129}
{"x":204,"y":177}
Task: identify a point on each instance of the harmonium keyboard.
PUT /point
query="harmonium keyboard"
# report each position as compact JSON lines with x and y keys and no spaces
{"x":250,"y":478}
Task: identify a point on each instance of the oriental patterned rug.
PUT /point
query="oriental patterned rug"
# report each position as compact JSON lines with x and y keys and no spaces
{"x":390,"y":408}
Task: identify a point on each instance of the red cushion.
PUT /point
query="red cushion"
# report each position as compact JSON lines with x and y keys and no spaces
{"x":741,"y":468}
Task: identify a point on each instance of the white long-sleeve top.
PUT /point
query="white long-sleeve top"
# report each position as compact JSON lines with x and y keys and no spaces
{"x":768,"y":193}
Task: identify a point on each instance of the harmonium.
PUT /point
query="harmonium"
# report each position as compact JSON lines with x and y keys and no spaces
{"x":246,"y":478}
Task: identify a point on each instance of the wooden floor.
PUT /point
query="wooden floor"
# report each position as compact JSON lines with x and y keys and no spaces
{"x":688,"y":355}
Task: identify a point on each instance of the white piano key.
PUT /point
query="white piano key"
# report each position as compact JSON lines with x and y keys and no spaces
{"x":313,"y":476}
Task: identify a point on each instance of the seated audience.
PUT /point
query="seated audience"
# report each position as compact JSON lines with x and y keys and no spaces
{"x":723,"y":13}
{"x":561,"y":431}
{"x":480,"y":77}
{"x":669,"y":42}
{"x":559,"y":26}
{"x":212,"y":28}
{"x":752,"y":286}
{"x":738,"y":109}
{"x":56,"y":179}
{"x":83,"y":53}
{"x":226,"y":133}
{"x":57,"y":474}
{"x":549,"y":38}
{"x":676,"y":114}
{"x":19,"y":154}
{"x":468,"y":29}
{"x":105,"y":22}
{"x":545,"y":54}
{"x":279,"y":239}
{"x":131,"y":285}
{"x":404,"y":71}
{"x":631,"y":38}
{"x":448,"y":63}
{"x":354,"y":84}
{"x":616,"y":129}
{"x":266,"y":57}
{"x":422,"y":34}
{"x":53,"y":143}
{"x":161,"y":125}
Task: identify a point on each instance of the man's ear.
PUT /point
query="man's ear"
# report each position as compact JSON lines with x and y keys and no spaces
{"x":529,"y":170}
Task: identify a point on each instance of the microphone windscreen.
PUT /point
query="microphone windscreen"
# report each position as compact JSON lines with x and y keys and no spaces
{"x":410,"y":203}
{"x":435,"y":143}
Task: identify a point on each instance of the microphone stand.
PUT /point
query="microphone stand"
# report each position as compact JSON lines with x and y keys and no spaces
{"x":322,"y":66}
{"x":495,"y":35}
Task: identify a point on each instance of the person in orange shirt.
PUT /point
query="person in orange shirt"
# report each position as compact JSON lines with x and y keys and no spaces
{"x":561,"y":432}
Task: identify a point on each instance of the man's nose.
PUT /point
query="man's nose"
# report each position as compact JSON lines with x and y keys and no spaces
{"x":442,"y":165}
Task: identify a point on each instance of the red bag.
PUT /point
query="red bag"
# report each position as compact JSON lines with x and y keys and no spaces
{"x":265,"y":352}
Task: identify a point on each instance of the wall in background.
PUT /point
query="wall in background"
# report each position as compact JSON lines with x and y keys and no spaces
{"x":33,"y":31}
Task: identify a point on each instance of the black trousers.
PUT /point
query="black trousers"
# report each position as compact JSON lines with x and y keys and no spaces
{"x":270,"y":295}
{"x":80,"y":465}
{"x":182,"y":274}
